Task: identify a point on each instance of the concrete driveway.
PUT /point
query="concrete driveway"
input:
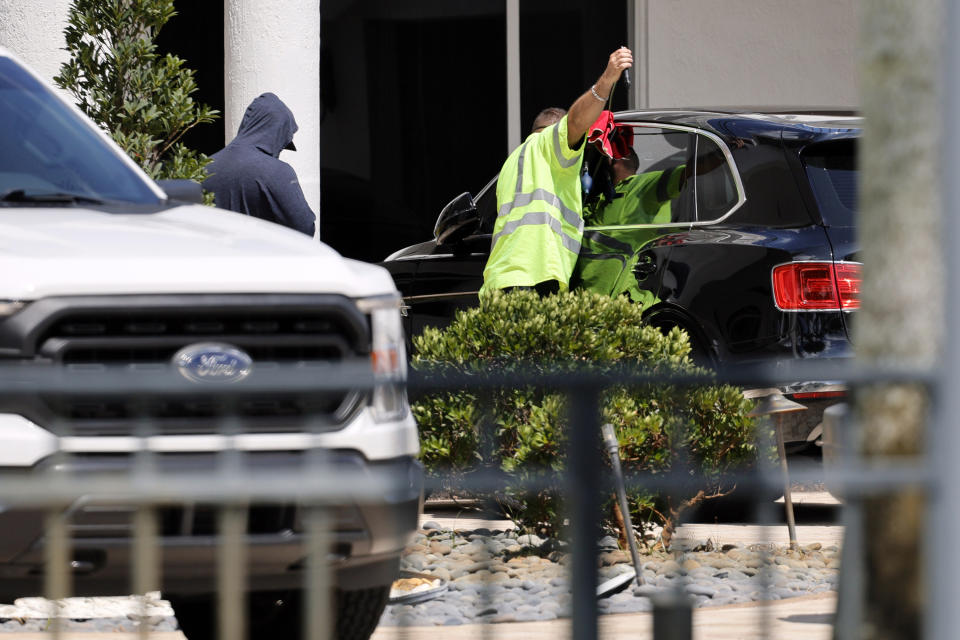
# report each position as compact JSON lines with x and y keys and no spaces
{"x":806,"y":618}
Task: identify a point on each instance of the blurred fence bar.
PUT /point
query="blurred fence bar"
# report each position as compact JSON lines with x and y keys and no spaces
{"x":584,"y":489}
{"x":943,"y":448}
{"x":319,"y":613}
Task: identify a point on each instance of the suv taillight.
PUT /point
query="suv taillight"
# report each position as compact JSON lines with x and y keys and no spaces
{"x":817,"y":286}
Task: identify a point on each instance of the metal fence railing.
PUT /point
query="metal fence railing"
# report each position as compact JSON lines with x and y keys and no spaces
{"x":148,"y":490}
{"x":850,"y":476}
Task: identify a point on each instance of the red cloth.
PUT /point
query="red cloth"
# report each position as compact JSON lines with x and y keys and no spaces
{"x":612,"y":140}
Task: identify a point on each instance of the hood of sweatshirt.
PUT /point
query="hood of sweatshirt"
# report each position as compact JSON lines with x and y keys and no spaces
{"x":268,"y":125}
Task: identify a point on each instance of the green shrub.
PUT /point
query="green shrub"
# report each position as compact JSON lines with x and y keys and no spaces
{"x":141,"y":98}
{"x":660,"y":427}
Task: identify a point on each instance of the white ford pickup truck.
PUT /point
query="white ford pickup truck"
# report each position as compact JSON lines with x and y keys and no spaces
{"x":101,"y":271}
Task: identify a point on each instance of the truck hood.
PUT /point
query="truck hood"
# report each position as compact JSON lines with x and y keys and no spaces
{"x":190,"y":249}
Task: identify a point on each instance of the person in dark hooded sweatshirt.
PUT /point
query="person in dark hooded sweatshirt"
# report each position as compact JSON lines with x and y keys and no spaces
{"x":247,"y":175}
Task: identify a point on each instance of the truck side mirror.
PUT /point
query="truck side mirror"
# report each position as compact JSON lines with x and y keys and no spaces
{"x":458,"y":220}
{"x":182,"y":190}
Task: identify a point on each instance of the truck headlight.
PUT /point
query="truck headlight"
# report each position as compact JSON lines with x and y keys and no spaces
{"x":388,"y":357}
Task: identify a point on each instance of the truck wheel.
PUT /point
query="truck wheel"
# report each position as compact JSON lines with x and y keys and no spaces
{"x":280,"y":614}
{"x":195,"y":615}
{"x":358,"y":612}
{"x":273,"y":615}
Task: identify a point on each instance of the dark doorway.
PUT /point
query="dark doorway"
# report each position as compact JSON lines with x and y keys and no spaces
{"x":435,"y":127}
{"x":196,"y":35}
{"x":564,"y":47}
{"x":428,"y":116}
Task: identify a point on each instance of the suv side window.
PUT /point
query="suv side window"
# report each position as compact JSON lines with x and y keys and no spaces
{"x":680,"y":176}
{"x":714,"y":185}
{"x":675,"y":176}
{"x":661,"y":191}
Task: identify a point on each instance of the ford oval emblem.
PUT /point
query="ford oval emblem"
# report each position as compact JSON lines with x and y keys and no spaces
{"x":213,"y":362}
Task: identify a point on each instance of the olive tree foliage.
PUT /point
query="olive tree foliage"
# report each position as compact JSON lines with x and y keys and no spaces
{"x":143,"y":99}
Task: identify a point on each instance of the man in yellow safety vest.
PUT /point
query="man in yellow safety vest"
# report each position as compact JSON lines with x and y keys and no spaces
{"x":539,"y":226}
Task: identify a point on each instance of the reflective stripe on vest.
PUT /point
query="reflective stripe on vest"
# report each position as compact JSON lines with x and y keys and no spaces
{"x":523,"y":199}
{"x":523,"y":154}
{"x":613,"y":243}
{"x":539,"y":218}
{"x":566,"y":163}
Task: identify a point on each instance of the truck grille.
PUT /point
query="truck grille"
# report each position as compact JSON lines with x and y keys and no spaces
{"x":85,"y":336}
{"x":92,"y":520}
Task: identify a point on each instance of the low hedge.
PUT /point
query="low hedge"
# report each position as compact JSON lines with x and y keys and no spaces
{"x":702,"y":430}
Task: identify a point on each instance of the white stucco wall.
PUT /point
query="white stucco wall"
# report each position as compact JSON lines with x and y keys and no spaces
{"x":275,"y":46}
{"x":33,"y":29}
{"x":752,"y":52}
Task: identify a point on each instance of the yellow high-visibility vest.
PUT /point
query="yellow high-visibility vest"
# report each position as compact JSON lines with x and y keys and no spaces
{"x":539,"y":225}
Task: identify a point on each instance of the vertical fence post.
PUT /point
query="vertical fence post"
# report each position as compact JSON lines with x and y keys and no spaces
{"x":943,"y":449}
{"x":672,"y":616}
{"x":584,"y":489}
{"x":231,"y":572}
{"x":900,"y":320}
{"x":851,"y":588}
{"x":146,"y":552}
{"x":318,"y":598}
{"x":231,"y":551}
{"x":146,"y":561}
{"x":317,"y":602}
{"x":57,"y":572}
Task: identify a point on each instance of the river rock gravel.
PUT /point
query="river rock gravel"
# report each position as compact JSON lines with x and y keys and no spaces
{"x":498,"y":576}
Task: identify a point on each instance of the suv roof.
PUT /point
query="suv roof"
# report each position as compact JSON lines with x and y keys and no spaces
{"x":804,"y":123}
{"x":767,"y":113}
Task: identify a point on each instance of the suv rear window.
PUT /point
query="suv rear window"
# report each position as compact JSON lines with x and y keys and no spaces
{"x":832,"y":171}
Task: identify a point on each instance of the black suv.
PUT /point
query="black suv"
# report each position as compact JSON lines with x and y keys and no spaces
{"x":755,"y":257}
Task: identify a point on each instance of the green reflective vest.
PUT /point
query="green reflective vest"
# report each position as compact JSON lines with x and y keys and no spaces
{"x":640,"y":199}
{"x":606,"y":264}
{"x":608,"y":257}
{"x":539,"y":225}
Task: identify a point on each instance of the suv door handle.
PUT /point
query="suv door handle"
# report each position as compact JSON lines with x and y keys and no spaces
{"x":644,"y":268}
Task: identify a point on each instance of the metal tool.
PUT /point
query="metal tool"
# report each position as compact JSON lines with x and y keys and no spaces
{"x":626,"y":75}
{"x":613,"y":448}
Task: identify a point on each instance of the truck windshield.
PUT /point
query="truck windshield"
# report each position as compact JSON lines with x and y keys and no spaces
{"x":832,"y":171}
{"x":48,"y":153}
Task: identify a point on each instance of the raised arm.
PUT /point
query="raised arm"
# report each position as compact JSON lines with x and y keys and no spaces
{"x":586,"y":109}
